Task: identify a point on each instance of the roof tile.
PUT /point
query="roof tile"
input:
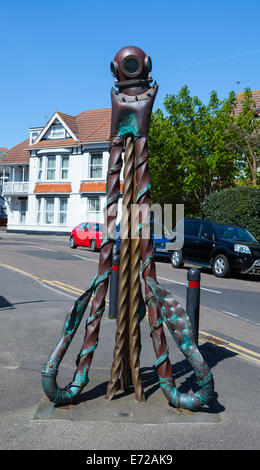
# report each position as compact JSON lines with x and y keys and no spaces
{"x":17,"y":154}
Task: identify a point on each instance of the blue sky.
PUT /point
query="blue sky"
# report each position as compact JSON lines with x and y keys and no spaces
{"x":55,"y":56}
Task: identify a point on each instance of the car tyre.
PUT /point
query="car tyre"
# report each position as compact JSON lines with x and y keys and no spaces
{"x":93,"y":245}
{"x":72,"y":243}
{"x":221,"y":267}
{"x":177,"y":259}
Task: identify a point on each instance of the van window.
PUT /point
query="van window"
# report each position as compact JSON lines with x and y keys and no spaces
{"x":192,"y":228}
{"x":206,"y":231}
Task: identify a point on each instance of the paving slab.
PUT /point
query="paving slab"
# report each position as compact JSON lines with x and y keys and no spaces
{"x":91,"y":405}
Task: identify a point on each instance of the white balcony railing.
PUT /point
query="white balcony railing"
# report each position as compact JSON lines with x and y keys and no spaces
{"x":18,"y":187}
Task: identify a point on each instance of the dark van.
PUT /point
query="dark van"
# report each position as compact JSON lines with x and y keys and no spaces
{"x":223,"y":248}
{"x":161,"y":237}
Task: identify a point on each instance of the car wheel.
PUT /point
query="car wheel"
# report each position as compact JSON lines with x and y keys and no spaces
{"x":72,"y":243}
{"x":221,"y":266}
{"x":177,"y":259}
{"x":93,"y":245}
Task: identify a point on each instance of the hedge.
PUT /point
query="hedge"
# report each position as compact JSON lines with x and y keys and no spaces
{"x":237,"y":206}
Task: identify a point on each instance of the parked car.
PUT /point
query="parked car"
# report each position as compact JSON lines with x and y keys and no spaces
{"x":160,"y":235}
{"x":223,"y":248}
{"x":87,"y":234}
{"x":3,"y":215}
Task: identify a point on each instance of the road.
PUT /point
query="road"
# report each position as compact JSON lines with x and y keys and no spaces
{"x":40,"y":277}
{"x":71,"y":270}
{"x":51,"y":257}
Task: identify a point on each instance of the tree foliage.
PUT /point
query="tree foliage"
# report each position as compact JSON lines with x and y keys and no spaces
{"x":238,"y":206}
{"x":245,"y":139}
{"x":189,"y":153}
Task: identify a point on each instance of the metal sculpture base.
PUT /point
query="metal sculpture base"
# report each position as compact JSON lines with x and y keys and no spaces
{"x":125,"y":409}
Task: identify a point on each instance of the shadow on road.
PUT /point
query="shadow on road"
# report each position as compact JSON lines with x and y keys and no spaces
{"x":6,"y":305}
{"x":212,"y":354}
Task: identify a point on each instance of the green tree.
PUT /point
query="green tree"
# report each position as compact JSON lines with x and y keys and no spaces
{"x":245,"y":138}
{"x":188,"y":146}
{"x":238,"y":206}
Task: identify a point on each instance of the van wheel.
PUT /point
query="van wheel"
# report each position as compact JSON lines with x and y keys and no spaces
{"x":221,"y":266}
{"x":177,"y":259}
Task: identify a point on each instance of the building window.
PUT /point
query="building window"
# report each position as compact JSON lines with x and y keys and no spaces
{"x":38,"y":213}
{"x":23,"y":208}
{"x":64,"y":168}
{"x":63,"y":210}
{"x":57,"y":132}
{"x":96,"y":165}
{"x":34,"y":136}
{"x":39,"y":176}
{"x":51,"y":166}
{"x":49,"y":210}
{"x":93,"y":204}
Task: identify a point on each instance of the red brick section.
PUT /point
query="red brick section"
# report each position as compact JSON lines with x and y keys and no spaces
{"x":255,"y":98}
{"x":52,"y":188}
{"x":95,"y":187}
{"x":92,"y":187}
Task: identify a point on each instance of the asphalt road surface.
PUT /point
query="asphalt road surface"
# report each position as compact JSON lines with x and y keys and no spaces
{"x":40,"y":277}
{"x":229,"y":308}
{"x":50,"y":256}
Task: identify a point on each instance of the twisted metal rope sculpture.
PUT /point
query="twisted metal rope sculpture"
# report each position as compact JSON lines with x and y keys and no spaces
{"x":131,"y":111}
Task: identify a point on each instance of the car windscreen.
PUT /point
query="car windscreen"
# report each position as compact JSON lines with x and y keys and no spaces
{"x":233,"y":234}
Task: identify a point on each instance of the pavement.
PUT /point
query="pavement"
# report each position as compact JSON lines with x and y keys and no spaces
{"x":32,"y":315}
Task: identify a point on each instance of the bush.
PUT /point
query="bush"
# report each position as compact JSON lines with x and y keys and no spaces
{"x":237,"y":206}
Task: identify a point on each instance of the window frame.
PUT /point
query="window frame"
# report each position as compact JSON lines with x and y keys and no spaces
{"x":93,"y":166}
{"x":92,"y":198}
{"x":53,"y":157}
{"x":62,"y":168}
{"x":63,"y":211}
{"x":52,"y":136}
{"x":40,"y":169}
{"x":22,"y":212}
{"x":47,"y":212}
{"x":38,"y":210}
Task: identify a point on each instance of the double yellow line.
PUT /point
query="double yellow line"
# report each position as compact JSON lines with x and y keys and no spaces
{"x":63,"y":286}
{"x":244,"y":352}
{"x":56,"y":284}
{"x":247,"y":353}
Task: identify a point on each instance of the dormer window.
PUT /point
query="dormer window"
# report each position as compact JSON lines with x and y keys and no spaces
{"x":34,"y":135}
{"x":57,"y":132}
{"x":34,"y":132}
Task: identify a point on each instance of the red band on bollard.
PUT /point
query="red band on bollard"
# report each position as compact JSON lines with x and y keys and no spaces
{"x":115,"y":267}
{"x":194,"y":284}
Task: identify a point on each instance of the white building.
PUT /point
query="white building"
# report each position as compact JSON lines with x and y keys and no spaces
{"x":57,"y":177}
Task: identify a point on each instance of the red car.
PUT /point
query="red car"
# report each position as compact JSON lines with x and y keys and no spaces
{"x":87,"y":234}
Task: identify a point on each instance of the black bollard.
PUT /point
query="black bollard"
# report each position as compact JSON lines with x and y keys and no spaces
{"x":113,"y":286}
{"x":193,"y":300}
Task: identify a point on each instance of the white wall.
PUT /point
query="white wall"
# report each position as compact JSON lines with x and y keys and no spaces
{"x":77,"y":202}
